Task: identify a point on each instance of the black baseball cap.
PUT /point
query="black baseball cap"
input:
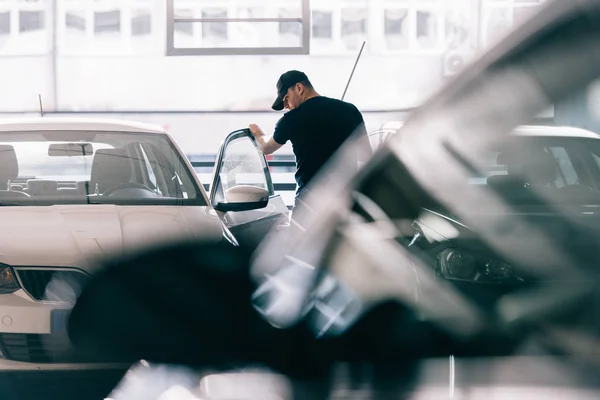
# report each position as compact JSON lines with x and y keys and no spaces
{"x":286,"y":81}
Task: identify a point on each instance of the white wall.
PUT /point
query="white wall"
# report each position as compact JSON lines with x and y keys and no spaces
{"x":202,"y":133}
{"x":234,"y":83}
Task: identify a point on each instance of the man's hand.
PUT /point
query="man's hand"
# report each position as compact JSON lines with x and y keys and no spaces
{"x":267,"y":146}
{"x":256,"y":131}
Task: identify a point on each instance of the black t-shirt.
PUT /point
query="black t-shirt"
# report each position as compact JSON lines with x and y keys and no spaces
{"x":317,"y":128}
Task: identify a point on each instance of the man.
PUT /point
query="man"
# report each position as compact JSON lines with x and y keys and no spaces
{"x":316,"y":125}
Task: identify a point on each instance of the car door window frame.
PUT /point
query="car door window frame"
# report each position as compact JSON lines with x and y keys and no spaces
{"x":216,"y":187}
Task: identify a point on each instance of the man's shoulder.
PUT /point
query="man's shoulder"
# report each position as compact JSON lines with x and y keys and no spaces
{"x":324,"y":101}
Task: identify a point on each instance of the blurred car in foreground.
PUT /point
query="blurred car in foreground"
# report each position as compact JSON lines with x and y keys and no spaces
{"x":558,"y":164}
{"x":73,"y":191}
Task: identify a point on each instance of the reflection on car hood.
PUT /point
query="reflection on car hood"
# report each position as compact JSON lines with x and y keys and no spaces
{"x":76,"y":235}
{"x":443,"y":225}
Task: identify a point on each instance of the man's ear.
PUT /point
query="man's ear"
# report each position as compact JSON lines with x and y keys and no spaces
{"x":299,"y":88}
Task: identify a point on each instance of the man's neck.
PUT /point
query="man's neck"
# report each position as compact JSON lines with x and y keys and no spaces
{"x":311,"y":95}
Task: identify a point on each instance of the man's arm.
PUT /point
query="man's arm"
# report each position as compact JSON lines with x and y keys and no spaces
{"x":266,"y":145}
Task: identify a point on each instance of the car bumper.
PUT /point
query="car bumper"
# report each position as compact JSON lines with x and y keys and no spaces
{"x":10,"y":365}
{"x":33,"y":339}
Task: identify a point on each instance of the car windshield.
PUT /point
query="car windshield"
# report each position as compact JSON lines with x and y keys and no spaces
{"x":84,"y":167}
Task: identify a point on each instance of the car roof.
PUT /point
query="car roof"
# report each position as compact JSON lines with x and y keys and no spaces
{"x":77,"y":124}
{"x":528,"y":130}
{"x":557,"y":131}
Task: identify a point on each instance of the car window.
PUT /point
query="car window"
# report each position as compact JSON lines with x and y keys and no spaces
{"x":242,"y":165}
{"x":568,"y":175}
{"x":519,"y":157}
{"x":526,"y":167}
{"x":41,"y":168}
{"x":149,"y":169}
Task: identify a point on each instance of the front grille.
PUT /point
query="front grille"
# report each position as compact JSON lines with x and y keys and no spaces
{"x":40,"y":349}
{"x":52,"y":284}
{"x":35,"y":348}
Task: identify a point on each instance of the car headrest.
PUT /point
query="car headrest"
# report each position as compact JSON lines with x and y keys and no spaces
{"x":501,"y":159}
{"x":41,"y":187}
{"x":540,"y":168}
{"x":110,"y":168}
{"x":9,"y":167}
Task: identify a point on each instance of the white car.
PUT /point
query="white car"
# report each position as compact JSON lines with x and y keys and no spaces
{"x":73,"y":190}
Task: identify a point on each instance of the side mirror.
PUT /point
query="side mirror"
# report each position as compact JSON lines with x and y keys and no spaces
{"x":244,"y":198}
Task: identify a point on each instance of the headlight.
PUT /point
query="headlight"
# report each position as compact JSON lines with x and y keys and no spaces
{"x":8,"y":281}
{"x":461,"y":265}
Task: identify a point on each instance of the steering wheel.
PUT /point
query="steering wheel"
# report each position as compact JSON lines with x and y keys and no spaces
{"x":128,"y":185}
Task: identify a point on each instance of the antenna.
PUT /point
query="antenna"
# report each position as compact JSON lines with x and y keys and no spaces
{"x":41,"y":106}
{"x":354,"y":68}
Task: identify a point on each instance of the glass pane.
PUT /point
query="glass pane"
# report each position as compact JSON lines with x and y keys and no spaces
{"x":427,"y":29}
{"x":354,"y":27}
{"x":5,"y":23}
{"x":31,"y":21}
{"x":240,"y":34}
{"x":242,"y":165}
{"x":215,"y":32}
{"x":251,"y":12}
{"x":293,"y":28}
{"x":107,"y":21}
{"x":289,"y":32}
{"x":321,"y":24}
{"x":568,"y":175}
{"x":75,"y":20}
{"x":185,"y":28}
{"x":396,"y":28}
{"x":141,"y":23}
{"x":460,"y":32}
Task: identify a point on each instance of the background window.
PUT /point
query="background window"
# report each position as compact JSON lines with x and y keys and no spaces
{"x":141,"y":23}
{"x":457,"y":30}
{"x":107,"y":21}
{"x":354,"y":27}
{"x":5,"y":23}
{"x":31,"y":21}
{"x":290,"y":28}
{"x":321,"y":24}
{"x":214,"y":30}
{"x":186,"y":28}
{"x":396,"y":28}
{"x":427,"y":29}
{"x":75,"y":20}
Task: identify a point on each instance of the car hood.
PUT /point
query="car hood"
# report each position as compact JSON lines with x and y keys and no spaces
{"x":440,"y":225}
{"x":78,"y":235}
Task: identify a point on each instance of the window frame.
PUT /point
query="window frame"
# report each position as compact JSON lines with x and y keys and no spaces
{"x":233,"y":5}
{"x":14,"y":7}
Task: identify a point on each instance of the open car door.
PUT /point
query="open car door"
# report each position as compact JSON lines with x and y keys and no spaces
{"x":242,"y":190}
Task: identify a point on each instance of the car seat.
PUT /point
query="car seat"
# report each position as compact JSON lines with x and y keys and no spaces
{"x":9,"y":170}
{"x":42,"y":187}
{"x":110,"y":169}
